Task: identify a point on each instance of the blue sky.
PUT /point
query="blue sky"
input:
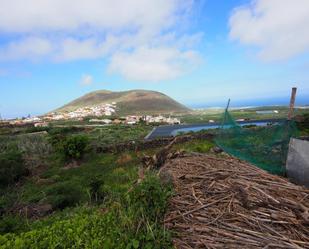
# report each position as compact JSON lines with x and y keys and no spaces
{"x":199,"y":52}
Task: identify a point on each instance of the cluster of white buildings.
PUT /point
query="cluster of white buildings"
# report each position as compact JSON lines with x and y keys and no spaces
{"x":80,"y":113}
{"x":98,"y":112}
{"x":135,"y":119}
{"x":152,"y":119}
{"x":162,"y":119}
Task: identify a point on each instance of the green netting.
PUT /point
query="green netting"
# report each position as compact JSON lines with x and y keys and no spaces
{"x":264,"y":146}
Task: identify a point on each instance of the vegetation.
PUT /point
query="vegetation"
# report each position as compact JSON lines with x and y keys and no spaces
{"x":12,"y":166}
{"x":200,"y":146}
{"x":303,"y":124}
{"x":114,"y":134}
{"x":95,"y":203}
{"x":74,"y":147}
{"x":131,"y":222}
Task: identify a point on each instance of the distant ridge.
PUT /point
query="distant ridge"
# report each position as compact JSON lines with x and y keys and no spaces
{"x":129,"y":102}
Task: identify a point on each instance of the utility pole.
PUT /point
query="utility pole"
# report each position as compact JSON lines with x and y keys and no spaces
{"x":292,"y":103}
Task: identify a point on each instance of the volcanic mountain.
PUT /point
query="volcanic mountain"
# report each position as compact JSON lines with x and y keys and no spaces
{"x":129,"y":102}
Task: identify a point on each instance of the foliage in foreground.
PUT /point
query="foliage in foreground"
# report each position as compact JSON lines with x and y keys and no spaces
{"x":134,"y":222}
{"x":12,"y":167}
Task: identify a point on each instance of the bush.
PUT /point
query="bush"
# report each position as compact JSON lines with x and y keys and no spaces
{"x":71,"y":148}
{"x":74,"y":147}
{"x":150,"y":198}
{"x":148,"y":202}
{"x":11,"y":223}
{"x":65,"y":194}
{"x":12,"y":167}
{"x":96,"y":190}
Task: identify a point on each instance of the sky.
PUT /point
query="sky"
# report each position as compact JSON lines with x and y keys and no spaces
{"x":199,"y":52}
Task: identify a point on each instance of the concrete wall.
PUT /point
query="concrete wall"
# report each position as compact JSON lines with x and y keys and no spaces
{"x":297,"y":164}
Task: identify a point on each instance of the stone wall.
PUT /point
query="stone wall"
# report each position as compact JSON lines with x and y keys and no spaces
{"x":149,"y":144}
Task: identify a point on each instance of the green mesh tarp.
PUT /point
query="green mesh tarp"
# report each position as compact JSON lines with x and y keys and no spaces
{"x":263,"y":146}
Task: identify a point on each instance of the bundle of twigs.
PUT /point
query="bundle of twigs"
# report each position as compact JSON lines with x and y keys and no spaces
{"x":227,"y":203}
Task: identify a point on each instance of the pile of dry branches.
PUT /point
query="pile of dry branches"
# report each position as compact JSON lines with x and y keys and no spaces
{"x":227,"y":203}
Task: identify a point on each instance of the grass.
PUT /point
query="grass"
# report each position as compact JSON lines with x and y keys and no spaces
{"x":94,"y":204}
{"x":57,"y":178}
{"x":128,"y":223}
{"x":97,"y":194}
{"x":93,"y":208}
{"x":119,"y":133}
{"x":200,"y":146}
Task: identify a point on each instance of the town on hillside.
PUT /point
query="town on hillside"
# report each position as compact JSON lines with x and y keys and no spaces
{"x":94,"y":115}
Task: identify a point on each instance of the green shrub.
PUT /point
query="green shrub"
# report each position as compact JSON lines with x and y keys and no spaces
{"x":65,"y":194}
{"x":96,"y":190}
{"x":11,"y":223}
{"x":74,"y":147}
{"x":150,"y":198}
{"x":148,"y":203}
{"x":12,"y":167}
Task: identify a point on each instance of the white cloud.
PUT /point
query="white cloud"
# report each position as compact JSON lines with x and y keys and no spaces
{"x":124,"y":32}
{"x":72,"y":49}
{"x":86,"y":80}
{"x":30,"y":47}
{"x":153,"y":64}
{"x":70,"y":15}
{"x":279,"y":28}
